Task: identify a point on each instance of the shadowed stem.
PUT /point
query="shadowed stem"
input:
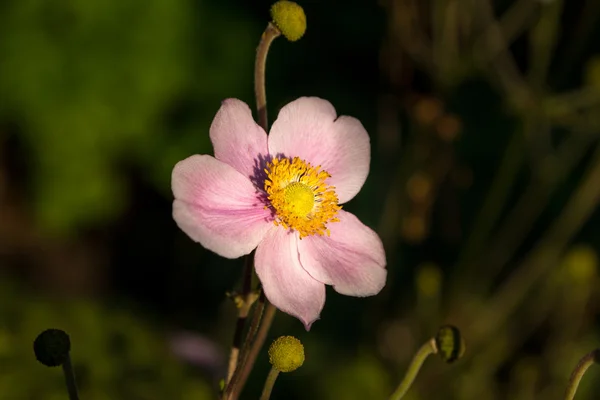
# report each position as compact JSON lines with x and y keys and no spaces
{"x":270,"y":34}
{"x":581,"y":36}
{"x":543,"y":39}
{"x":584,"y":364}
{"x":246,"y":298}
{"x":250,"y":336}
{"x":243,"y":371}
{"x":257,"y":315}
{"x":510,"y":25}
{"x":504,"y":65}
{"x":413,"y":370}
{"x":67,"y":367}
{"x":269,"y":383}
{"x":261,"y":335}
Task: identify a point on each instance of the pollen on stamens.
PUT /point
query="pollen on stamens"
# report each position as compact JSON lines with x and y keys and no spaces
{"x":299,"y":196}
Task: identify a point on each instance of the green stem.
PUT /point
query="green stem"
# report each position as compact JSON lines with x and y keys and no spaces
{"x":425,"y":351}
{"x":445,"y":39}
{"x":579,"y":40}
{"x":269,"y":383}
{"x":510,"y":25}
{"x":584,"y":364}
{"x":504,"y":65}
{"x":571,"y":102}
{"x":270,"y":34}
{"x":543,"y":39}
{"x":70,"y":379}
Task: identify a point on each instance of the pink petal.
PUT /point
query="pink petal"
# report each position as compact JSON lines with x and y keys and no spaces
{"x":308,"y":128}
{"x":286,"y":284}
{"x":352,"y":259}
{"x":237,"y":139}
{"x":218,"y":207}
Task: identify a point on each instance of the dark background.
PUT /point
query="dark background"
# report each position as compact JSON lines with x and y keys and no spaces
{"x":484,"y":183}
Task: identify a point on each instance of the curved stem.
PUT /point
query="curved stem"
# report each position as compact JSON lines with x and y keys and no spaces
{"x":270,"y":34}
{"x":415,"y":365}
{"x":238,"y":372}
{"x":584,"y":364}
{"x":269,"y":383}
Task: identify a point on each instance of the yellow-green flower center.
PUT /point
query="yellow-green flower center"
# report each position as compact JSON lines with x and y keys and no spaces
{"x":301,"y":199}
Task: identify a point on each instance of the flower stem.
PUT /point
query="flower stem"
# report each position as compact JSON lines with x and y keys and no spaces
{"x":269,"y":383}
{"x":254,"y":325}
{"x":425,"y":351}
{"x":270,"y":34}
{"x":584,"y":364}
{"x":243,"y":371}
{"x":67,"y":367}
{"x":247,"y":299}
{"x":238,"y":372}
{"x":250,"y":336}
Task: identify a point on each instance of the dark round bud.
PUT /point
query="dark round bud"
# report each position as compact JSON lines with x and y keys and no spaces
{"x":450,"y":344}
{"x":52,"y":347}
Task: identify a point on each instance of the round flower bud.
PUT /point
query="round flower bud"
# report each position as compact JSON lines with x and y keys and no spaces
{"x":289,"y":17}
{"x":286,"y":354}
{"x":52,"y":347}
{"x":450,"y":344}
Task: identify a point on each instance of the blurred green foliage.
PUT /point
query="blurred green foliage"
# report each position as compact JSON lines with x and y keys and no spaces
{"x":116,"y":355}
{"x":361,"y":378}
{"x":98,"y":84}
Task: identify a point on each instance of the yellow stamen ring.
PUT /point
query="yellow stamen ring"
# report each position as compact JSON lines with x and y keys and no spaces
{"x":301,"y":199}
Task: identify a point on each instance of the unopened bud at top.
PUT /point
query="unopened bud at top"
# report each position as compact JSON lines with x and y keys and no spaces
{"x":289,"y":17}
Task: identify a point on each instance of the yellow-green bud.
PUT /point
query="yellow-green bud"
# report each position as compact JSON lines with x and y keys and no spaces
{"x":289,"y":17}
{"x":450,"y":344}
{"x":286,"y":354}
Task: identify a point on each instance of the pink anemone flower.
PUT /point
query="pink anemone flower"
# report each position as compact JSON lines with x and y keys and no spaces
{"x":281,"y":194}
